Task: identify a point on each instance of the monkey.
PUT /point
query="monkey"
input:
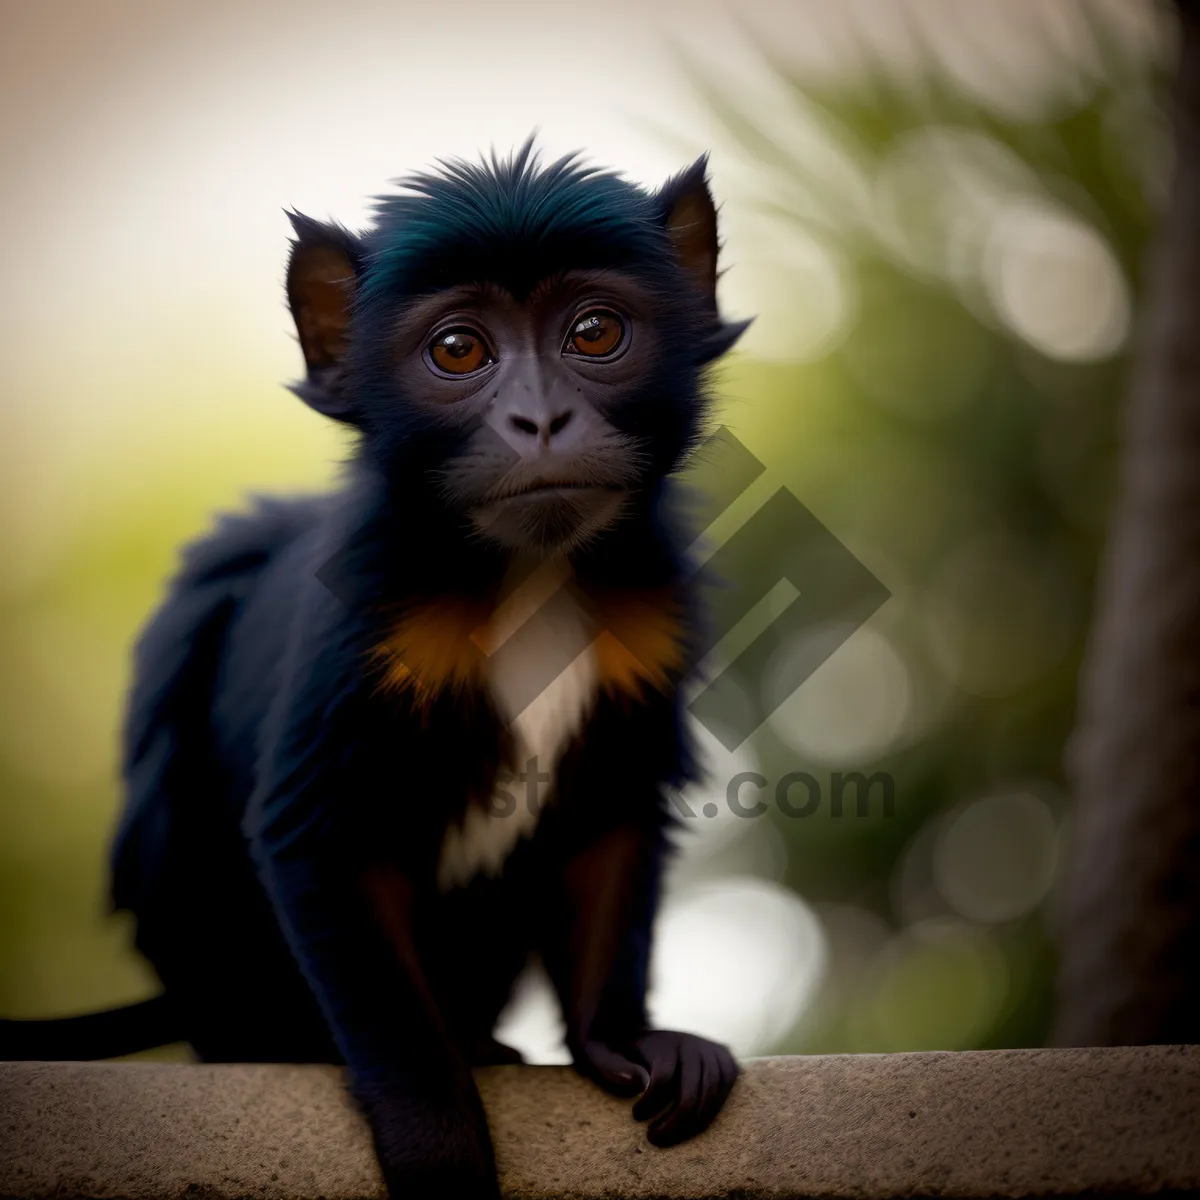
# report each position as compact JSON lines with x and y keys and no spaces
{"x":387,"y":745}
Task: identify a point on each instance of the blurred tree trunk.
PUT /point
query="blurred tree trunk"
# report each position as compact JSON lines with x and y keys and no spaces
{"x":1130,"y":968}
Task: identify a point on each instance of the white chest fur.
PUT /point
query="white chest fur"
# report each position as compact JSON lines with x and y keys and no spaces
{"x":543,"y":679}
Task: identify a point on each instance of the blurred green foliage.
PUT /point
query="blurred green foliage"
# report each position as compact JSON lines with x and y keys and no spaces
{"x":960,"y":437}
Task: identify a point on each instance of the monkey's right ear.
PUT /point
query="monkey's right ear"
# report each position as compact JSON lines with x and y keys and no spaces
{"x":322,"y":279}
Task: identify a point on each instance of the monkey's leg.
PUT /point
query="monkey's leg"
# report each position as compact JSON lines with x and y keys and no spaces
{"x":207,"y":929}
{"x":316,"y":833}
{"x":598,"y":956}
{"x":487,"y":1052}
{"x":473,"y":947}
{"x":354,"y":945}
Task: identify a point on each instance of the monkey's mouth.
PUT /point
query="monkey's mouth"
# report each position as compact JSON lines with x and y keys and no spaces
{"x":550,"y":488}
{"x":549,"y":515}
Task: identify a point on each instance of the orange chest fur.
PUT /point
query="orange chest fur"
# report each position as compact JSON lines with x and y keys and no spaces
{"x":449,"y":644}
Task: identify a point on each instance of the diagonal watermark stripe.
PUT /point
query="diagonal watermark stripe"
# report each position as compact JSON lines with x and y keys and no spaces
{"x":836,"y":594}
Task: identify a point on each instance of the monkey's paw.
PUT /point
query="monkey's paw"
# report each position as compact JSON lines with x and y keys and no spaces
{"x":682,"y":1079}
{"x":430,"y":1146}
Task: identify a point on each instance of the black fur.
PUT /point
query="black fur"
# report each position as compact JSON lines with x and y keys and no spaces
{"x":285,"y":811}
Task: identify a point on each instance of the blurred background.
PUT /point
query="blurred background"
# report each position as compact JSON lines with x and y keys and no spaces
{"x":939,"y":213}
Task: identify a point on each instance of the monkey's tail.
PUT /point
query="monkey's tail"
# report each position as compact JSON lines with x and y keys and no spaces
{"x":106,"y":1034}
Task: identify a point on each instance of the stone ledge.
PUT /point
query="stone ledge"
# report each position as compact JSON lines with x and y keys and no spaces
{"x":987,"y":1124}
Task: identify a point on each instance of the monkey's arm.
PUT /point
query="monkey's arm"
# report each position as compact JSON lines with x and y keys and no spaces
{"x":348,"y":923}
{"x":598,"y":957}
{"x":352,"y":937}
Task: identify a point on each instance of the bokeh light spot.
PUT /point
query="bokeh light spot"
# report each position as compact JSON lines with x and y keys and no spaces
{"x":737,"y":960}
{"x":852,"y":708}
{"x":795,"y":287}
{"x":994,"y":858}
{"x":1054,"y":281}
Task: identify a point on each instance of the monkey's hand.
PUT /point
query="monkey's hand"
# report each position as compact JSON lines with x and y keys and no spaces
{"x":430,"y":1148}
{"x":682,"y":1079}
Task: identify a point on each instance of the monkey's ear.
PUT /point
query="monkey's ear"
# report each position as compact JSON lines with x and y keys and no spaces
{"x":688,"y":214}
{"x":322,"y":279}
{"x":686,"y":209}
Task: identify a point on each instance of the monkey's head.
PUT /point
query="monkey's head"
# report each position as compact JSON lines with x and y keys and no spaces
{"x":522,"y":347}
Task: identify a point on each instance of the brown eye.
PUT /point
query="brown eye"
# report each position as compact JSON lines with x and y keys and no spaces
{"x":596,"y":333}
{"x":459,"y":351}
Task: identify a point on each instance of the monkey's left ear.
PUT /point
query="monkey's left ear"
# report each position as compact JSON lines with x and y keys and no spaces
{"x":688,"y":214}
{"x":322,"y":280}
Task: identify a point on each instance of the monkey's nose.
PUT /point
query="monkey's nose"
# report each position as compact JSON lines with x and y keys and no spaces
{"x":543,"y":430}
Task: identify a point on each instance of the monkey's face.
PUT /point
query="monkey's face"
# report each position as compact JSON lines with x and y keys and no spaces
{"x":543,"y":394}
{"x":520,"y":346}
